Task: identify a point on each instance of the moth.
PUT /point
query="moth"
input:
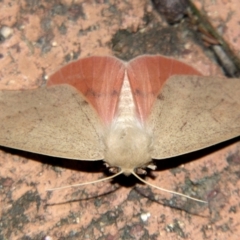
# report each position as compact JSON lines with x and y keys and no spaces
{"x":126,"y":113}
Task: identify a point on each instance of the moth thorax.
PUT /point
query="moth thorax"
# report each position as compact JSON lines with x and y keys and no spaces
{"x":128,"y":146}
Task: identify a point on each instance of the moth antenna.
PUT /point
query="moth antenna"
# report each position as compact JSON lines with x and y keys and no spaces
{"x":86,"y":183}
{"x":165,"y":190}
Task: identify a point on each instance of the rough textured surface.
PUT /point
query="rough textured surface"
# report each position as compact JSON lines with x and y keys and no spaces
{"x":47,"y":35}
{"x":224,"y":16}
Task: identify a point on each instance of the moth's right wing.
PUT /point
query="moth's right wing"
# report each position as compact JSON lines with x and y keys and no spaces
{"x":192,"y":113}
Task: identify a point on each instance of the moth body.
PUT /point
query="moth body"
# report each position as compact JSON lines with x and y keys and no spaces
{"x":127,"y":142}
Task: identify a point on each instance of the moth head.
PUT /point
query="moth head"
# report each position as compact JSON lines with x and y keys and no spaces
{"x":127,"y":148}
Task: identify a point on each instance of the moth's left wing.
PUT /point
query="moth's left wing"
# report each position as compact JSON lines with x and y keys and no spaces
{"x":55,"y":121}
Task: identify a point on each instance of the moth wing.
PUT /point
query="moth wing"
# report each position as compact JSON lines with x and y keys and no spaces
{"x":194,"y":112}
{"x":55,"y":121}
{"x":98,"y":78}
{"x":147,"y":75}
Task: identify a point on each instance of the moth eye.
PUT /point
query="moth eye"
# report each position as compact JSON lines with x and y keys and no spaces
{"x":114,"y":170}
{"x":106,"y":165}
{"x":140,"y":171}
{"x":152,"y":166}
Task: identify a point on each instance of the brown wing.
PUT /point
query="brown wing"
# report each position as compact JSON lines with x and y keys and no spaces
{"x":55,"y":121}
{"x":194,"y":112}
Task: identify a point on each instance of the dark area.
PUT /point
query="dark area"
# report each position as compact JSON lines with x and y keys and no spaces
{"x":175,"y":10}
{"x":153,"y":40}
{"x":172,"y":10}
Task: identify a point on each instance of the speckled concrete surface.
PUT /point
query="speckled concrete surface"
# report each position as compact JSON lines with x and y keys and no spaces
{"x":46,"y":35}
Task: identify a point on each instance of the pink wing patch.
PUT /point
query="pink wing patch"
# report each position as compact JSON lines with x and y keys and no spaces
{"x":147,"y":74}
{"x":99,"y":79}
